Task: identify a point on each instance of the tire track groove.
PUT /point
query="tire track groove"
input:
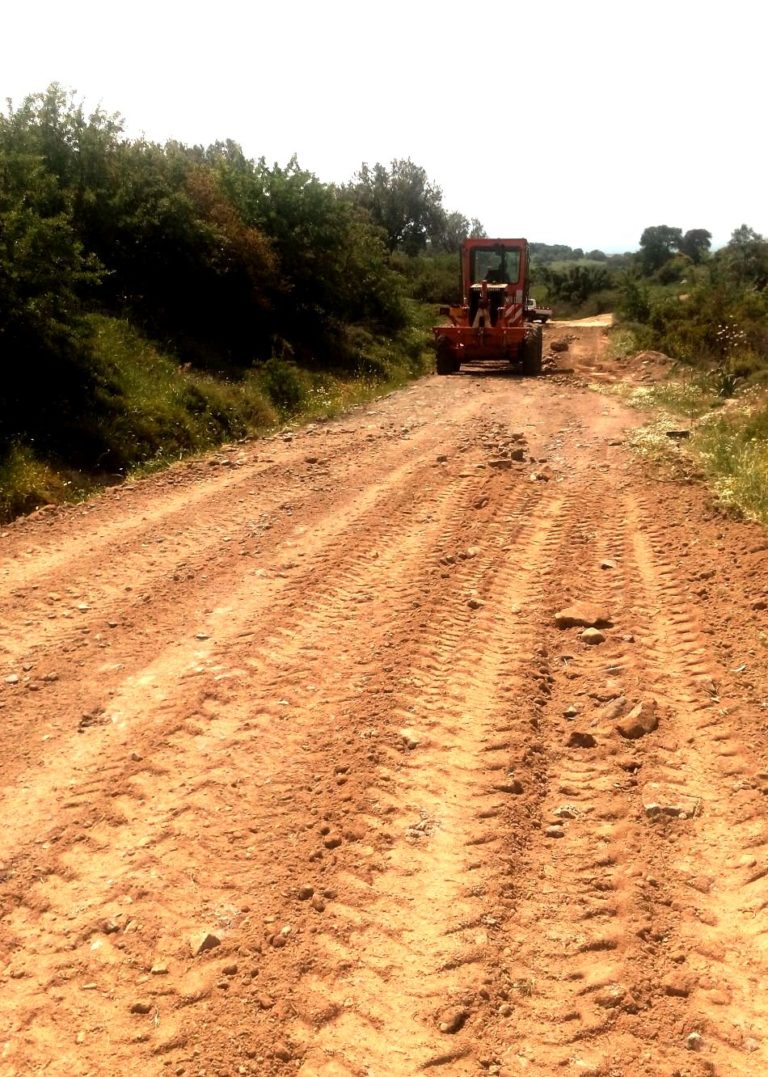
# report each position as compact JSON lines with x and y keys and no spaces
{"x":442,"y":826}
{"x":705,"y":768}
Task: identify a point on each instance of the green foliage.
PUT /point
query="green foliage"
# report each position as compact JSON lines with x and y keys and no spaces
{"x":627,"y":339}
{"x":402,"y":201}
{"x":334,"y":264}
{"x":394,"y":359}
{"x":27,"y":483}
{"x":156,"y":299}
{"x":107,"y":244}
{"x":725,"y":382}
{"x":657,"y":245}
{"x":635,"y":301}
{"x":744,"y":261}
{"x":282,"y":384}
{"x":675,"y":269}
{"x":668,"y":255}
{"x":430,"y":278}
{"x":149,"y":409}
{"x":720,"y":320}
{"x":733,"y":448}
{"x":575,"y":283}
{"x":452,"y":230}
{"x":408,"y":207}
{"x":545,"y":253}
{"x":695,"y":244}
{"x":44,"y":271}
{"x":730,"y":444}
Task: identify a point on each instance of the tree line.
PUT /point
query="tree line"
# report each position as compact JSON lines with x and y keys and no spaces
{"x":224,"y":261}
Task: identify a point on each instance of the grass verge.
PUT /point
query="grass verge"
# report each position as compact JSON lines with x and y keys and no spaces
{"x":732,"y":447}
{"x":728,"y":443}
{"x":27,"y":482}
{"x":149,"y":411}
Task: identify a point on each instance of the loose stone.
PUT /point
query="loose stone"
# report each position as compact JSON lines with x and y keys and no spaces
{"x":640,"y":721}
{"x":583,"y":615}
{"x":579,"y":739}
{"x":451,"y":1021}
{"x":202,"y":941}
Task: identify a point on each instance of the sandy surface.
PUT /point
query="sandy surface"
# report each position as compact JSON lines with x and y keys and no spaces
{"x":301,"y":777}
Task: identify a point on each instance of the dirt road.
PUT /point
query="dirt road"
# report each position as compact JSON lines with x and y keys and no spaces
{"x":300,"y":776}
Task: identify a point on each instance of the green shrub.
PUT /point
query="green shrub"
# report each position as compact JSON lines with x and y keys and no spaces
{"x":430,"y":278}
{"x":283,"y":384}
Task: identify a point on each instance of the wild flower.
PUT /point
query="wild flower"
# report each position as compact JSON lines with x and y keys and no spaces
{"x":730,"y":337}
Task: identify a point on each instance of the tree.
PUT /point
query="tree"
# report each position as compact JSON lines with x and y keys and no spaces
{"x":454,"y":229}
{"x":44,"y":340}
{"x":333,"y":260}
{"x":696,"y":244}
{"x":745,"y":258}
{"x":403,"y":201}
{"x":657,"y":245}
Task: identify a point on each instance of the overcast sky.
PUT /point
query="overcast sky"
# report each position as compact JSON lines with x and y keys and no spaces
{"x":563,"y":121}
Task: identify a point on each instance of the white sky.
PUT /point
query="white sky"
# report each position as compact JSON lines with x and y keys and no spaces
{"x":566,"y":122}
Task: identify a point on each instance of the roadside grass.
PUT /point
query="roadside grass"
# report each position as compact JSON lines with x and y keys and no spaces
{"x":149,"y":411}
{"x":626,"y":339}
{"x":27,"y":482}
{"x":728,"y":443}
{"x":732,"y":448}
{"x":675,"y":398}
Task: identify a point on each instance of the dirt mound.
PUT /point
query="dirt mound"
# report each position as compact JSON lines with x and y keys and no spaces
{"x":646,"y":366}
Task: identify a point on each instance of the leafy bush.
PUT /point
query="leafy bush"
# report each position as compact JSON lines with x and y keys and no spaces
{"x":149,"y":408}
{"x":574,"y":283}
{"x":430,"y":278}
{"x":283,"y":384}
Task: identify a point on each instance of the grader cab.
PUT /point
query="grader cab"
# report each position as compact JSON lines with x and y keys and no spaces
{"x":490,"y":324}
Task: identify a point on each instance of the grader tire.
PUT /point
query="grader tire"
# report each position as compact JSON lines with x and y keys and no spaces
{"x":532,"y":352}
{"x":446,"y":361}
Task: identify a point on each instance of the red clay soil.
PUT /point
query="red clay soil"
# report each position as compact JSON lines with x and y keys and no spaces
{"x":301,"y":777}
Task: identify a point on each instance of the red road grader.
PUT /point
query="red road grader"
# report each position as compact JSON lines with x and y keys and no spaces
{"x":490,"y":323}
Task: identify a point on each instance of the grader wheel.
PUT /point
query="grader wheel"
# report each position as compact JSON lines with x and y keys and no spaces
{"x":532,"y":352}
{"x":446,"y":361}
